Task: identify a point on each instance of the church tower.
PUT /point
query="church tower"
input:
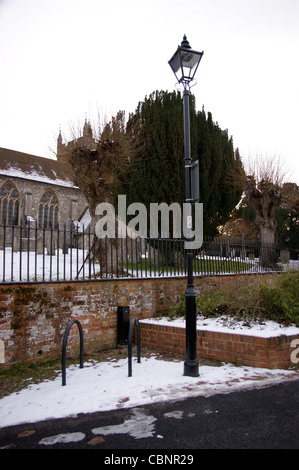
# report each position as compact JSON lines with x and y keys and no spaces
{"x":61,"y":148}
{"x":86,"y":140}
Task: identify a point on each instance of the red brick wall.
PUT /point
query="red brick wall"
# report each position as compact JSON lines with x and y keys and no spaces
{"x":272,"y":353}
{"x":33,"y":317}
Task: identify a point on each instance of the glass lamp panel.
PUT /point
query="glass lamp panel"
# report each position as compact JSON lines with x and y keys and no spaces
{"x":175,"y":63}
{"x":189,"y":62}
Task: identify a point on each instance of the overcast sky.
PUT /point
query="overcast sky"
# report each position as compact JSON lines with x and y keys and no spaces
{"x":62,"y":60}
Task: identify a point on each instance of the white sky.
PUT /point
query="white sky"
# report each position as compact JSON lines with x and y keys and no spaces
{"x":62,"y":60}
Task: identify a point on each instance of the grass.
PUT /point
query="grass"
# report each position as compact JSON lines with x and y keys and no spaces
{"x":13,"y":380}
{"x":21,"y":375}
{"x":200,"y":266}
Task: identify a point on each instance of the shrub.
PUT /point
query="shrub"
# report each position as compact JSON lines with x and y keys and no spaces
{"x":177,"y":310}
{"x":278,"y":301}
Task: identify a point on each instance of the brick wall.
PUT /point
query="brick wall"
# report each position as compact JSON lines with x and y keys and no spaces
{"x":33,"y":317}
{"x":271,"y":353}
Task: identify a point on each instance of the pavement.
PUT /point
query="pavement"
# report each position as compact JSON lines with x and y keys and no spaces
{"x":172,"y":432}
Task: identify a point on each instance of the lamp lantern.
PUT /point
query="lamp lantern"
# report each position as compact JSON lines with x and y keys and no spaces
{"x":184,"y":62}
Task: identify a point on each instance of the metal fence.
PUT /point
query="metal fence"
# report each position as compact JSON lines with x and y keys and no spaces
{"x":32,"y":254}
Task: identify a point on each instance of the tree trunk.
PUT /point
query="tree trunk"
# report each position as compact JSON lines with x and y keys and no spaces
{"x":268,"y":258}
{"x":264,"y":198}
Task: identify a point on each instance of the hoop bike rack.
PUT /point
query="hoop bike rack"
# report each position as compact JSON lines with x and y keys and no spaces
{"x":64,"y":343}
{"x":130,"y":336}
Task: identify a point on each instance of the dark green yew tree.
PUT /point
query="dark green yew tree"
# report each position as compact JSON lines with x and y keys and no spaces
{"x":158,"y":174}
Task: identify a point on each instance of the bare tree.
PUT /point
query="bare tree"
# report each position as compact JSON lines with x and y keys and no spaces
{"x":263,"y":189}
{"x":100,"y":168}
{"x":101,"y":165}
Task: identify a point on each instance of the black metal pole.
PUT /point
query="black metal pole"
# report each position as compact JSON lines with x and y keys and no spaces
{"x":191,"y":363}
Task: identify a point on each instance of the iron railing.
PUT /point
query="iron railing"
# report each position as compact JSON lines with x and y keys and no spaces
{"x":32,"y":254}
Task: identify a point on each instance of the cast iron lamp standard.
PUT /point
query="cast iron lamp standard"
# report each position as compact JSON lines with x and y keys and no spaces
{"x":184,"y":64}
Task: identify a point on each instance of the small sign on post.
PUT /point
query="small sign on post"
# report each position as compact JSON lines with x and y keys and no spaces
{"x":195,"y":181}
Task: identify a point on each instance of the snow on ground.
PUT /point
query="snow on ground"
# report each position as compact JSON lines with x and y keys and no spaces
{"x":226,"y":324}
{"x":28,"y":266}
{"x":102,"y":386}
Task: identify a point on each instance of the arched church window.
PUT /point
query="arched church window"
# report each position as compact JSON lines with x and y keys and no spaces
{"x":48,"y":210}
{"x":9,"y":204}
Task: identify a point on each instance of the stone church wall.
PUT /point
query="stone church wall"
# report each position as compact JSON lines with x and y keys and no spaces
{"x":71,"y":201}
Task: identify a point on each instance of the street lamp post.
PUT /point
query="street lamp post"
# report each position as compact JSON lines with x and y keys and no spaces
{"x":184,"y":64}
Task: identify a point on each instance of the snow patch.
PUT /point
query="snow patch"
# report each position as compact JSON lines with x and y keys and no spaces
{"x":103,"y":386}
{"x":225,"y":324}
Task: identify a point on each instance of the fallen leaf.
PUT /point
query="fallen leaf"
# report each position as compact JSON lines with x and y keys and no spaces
{"x":96,"y":440}
{"x":27,"y":433}
{"x":120,"y":402}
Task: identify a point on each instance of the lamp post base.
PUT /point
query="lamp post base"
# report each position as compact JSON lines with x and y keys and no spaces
{"x":191,"y":362}
{"x":191,"y":368}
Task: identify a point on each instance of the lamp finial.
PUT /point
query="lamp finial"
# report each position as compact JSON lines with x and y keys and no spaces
{"x":185,"y":42}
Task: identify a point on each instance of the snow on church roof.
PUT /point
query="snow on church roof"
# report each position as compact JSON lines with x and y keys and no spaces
{"x":44,"y":170}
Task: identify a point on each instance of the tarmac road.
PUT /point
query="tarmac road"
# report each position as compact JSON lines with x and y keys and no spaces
{"x":265,"y":418}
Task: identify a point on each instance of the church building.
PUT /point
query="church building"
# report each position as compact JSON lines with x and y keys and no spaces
{"x":39,"y":189}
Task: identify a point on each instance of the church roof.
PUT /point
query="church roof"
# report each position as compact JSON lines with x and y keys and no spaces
{"x":46,"y":170}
